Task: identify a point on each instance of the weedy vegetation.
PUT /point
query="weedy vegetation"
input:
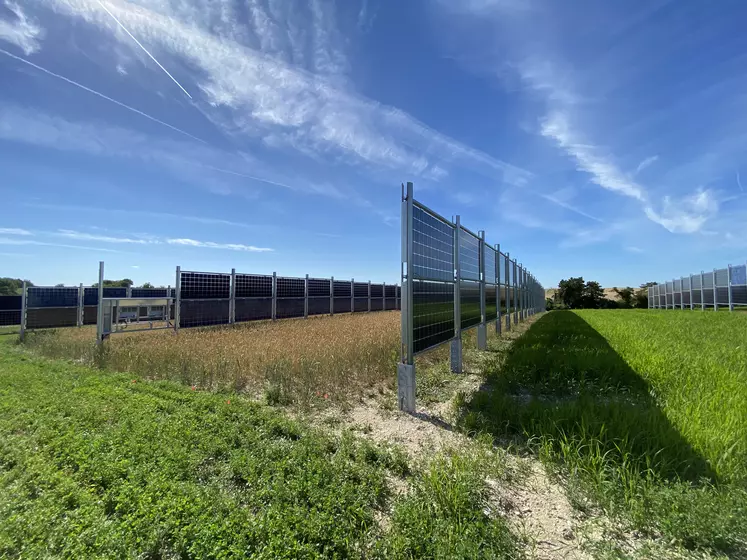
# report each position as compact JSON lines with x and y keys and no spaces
{"x":289,"y":361}
{"x":640,"y":412}
{"x":97,"y":464}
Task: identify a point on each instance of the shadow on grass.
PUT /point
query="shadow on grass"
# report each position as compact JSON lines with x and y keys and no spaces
{"x":563,"y":385}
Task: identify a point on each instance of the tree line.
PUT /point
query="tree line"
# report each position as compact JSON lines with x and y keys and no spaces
{"x":575,"y":293}
{"x":14,"y":286}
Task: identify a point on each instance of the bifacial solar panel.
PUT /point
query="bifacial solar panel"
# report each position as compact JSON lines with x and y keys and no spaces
{"x":11,"y":303}
{"x":51,"y":317}
{"x":149,"y":292}
{"x":708,"y":297}
{"x":469,"y":293}
{"x":205,"y":312}
{"x":696,"y":296}
{"x":361,"y":304}
{"x":678,"y":285}
{"x":289,"y":307}
{"x":319,"y":287}
{"x":360,"y":290}
{"x":290,"y":288}
{"x":432,"y":247}
{"x":723,"y":296}
{"x":686,"y":299}
{"x":319,"y":305}
{"x":377,"y":291}
{"x":391,"y":291}
{"x":501,"y":265}
{"x":342,"y":305}
{"x":739,"y":295}
{"x":342,"y":289}
{"x":252,"y":285}
{"x":722,"y":277}
{"x":696,"y":281}
{"x":490,"y":264}
{"x":491,"y":307}
{"x":203,"y":285}
{"x":686,"y":284}
{"x":677,"y":299}
{"x":469,"y":256}
{"x":37,"y":297}
{"x":708,"y":280}
{"x":10,"y":317}
{"x":739,"y":275}
{"x":433,"y":313}
{"x":252,"y":309}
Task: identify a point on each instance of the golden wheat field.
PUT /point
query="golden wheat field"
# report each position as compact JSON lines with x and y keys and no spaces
{"x":291,"y":360}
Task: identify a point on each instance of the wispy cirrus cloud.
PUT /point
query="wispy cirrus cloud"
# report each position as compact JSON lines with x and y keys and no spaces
{"x":21,"y":30}
{"x":71,"y":234}
{"x":645,"y":163}
{"x":34,"y":242}
{"x":14,"y":231}
{"x":279,"y":82}
{"x":212,"y":245}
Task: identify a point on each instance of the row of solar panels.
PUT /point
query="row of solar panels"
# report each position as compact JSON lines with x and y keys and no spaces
{"x":676,"y":293}
{"x":204,"y":285}
{"x":433,"y":253}
{"x":40,"y":296}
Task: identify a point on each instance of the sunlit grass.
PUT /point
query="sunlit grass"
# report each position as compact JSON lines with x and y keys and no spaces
{"x":643,"y":412}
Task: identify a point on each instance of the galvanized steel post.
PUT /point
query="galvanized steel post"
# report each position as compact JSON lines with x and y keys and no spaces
{"x":274,"y":296}
{"x":406,"y":367}
{"x":702,"y":293}
{"x":731,"y":302}
{"x":232,"y":298}
{"x":715,"y":292}
{"x":24,"y":300}
{"x":178,"y":299}
{"x":691,"y":293}
{"x":482,"y":335}
{"x":100,"y":310}
{"x":498,"y":288}
{"x":508,"y":294}
{"x":456,"y":343}
{"x":306,"y":297}
{"x":369,"y":296}
{"x":352,"y":295}
{"x":331,"y":295}
{"x":80,"y":305}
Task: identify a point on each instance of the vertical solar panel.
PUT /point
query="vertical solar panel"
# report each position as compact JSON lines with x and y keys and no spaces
{"x":696,"y":281}
{"x":204,"y":299}
{"x":469,"y":255}
{"x":722,"y":277}
{"x":739,"y":275}
{"x":686,"y":284}
{"x":289,"y":297}
{"x":469,"y":297}
{"x":432,"y":247}
{"x":490,"y":264}
{"x":708,"y":281}
{"x":10,"y":310}
{"x":491,"y":305}
{"x":433,"y":313}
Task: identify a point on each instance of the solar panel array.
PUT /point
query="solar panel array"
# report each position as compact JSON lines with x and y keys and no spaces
{"x":258,"y":297}
{"x":442,"y":252}
{"x":720,"y":288}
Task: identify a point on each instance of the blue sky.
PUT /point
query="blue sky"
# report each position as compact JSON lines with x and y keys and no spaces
{"x":588,"y":138}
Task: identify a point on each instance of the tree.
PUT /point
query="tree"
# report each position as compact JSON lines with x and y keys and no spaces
{"x":641,"y":295}
{"x":147,"y":285}
{"x":571,"y":292}
{"x":593,"y":294}
{"x":12,"y":286}
{"x":626,"y":296}
{"x":59,"y":285}
{"x":124,"y":283}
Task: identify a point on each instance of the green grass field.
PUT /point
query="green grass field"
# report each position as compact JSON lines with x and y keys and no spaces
{"x":102,"y":465}
{"x":643,"y":412}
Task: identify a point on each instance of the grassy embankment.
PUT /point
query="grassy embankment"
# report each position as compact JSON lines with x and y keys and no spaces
{"x":643,"y":413}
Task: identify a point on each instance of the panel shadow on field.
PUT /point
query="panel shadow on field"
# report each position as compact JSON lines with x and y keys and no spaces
{"x":563,"y":382}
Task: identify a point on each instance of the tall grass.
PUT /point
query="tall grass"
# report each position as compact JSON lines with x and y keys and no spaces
{"x":292,"y":360}
{"x":644,"y":412}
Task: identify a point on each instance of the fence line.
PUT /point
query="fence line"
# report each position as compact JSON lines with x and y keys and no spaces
{"x":201,"y":299}
{"x":452,"y":281}
{"x":209,"y":298}
{"x":725,"y":287}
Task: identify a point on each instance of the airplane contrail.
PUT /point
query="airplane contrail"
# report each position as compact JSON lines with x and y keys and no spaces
{"x":139,"y":44}
{"x":94,"y":92}
{"x":741,"y":188}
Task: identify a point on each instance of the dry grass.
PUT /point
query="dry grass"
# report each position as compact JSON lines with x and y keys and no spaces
{"x":294,"y":360}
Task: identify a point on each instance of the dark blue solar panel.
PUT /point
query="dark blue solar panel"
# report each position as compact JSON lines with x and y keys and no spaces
{"x":433,"y":247}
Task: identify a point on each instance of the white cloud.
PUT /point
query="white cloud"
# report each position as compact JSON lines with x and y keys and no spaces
{"x":9,"y":241}
{"x":211,"y":245}
{"x":71,"y":234}
{"x":14,"y":231}
{"x":633,"y":249}
{"x":687,"y":215}
{"x":604,"y":173}
{"x":257,"y":96}
{"x":23,"y":32}
{"x":645,"y":163}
